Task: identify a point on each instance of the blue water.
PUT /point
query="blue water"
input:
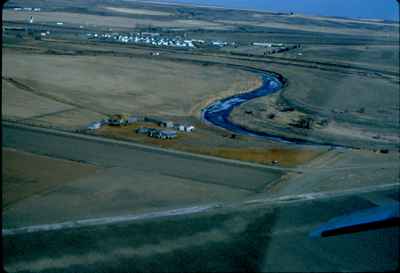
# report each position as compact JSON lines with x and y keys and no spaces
{"x":218,"y":112}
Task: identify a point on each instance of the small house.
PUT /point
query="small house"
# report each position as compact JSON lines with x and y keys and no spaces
{"x":305,"y":123}
{"x":104,"y":121}
{"x":180,"y":127}
{"x":118,"y":120}
{"x":143,"y":130}
{"x":132,"y":119}
{"x":184,"y":128}
{"x":153,"y":120}
{"x":189,"y":128}
{"x":153,"y":133}
{"x":167,"y":134}
{"x":159,"y":122}
{"x":94,"y":126}
{"x":167,"y":124}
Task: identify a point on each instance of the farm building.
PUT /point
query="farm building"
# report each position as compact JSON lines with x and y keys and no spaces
{"x":152,"y":132}
{"x":167,"y":124}
{"x":143,"y":130}
{"x":184,"y":128}
{"x":118,"y":120}
{"x":163,"y":123}
{"x":104,"y":121}
{"x":153,"y":120}
{"x":166,"y":134}
{"x":94,"y":126}
{"x":132,"y":119}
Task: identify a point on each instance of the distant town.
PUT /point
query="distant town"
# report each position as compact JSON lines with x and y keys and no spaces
{"x":150,"y":38}
{"x":157,"y":39}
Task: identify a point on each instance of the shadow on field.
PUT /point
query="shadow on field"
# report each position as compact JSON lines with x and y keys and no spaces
{"x":233,"y":243}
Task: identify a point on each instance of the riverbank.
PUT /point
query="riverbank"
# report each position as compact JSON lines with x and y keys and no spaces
{"x":277,"y":115}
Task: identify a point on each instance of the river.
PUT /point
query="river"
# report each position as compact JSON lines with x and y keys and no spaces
{"x":218,"y":112}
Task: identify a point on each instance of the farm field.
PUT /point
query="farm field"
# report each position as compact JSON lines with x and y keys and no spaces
{"x":25,"y":175}
{"x":138,"y":86}
{"x":127,"y":179}
{"x":360,"y":106}
{"x":76,"y":19}
{"x":384,"y":57}
{"x":139,"y":11}
{"x":14,"y":103}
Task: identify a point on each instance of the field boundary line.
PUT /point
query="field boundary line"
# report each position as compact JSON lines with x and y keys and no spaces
{"x":320,"y":195}
{"x":107,"y":220}
{"x":282,"y":200}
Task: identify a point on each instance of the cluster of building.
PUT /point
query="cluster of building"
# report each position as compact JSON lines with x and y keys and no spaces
{"x":144,"y":38}
{"x":156,"y":133}
{"x":154,"y":39}
{"x":267,"y":44}
{"x":115,"y":120}
{"x":272,"y":48}
{"x":169,"y":132}
{"x":170,"y":124}
{"x":45,"y":34}
{"x":28,"y":9}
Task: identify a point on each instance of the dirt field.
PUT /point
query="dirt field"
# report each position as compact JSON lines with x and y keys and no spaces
{"x":116,"y":191}
{"x":302,"y":26}
{"x":343,"y":20}
{"x":76,"y":19}
{"x":376,"y":169}
{"x":323,"y":91}
{"x":142,"y":85}
{"x":70,"y":120}
{"x":385,"y":57}
{"x":283,"y":157}
{"x":139,"y":11}
{"x":363,"y":105}
{"x":14,"y":103}
{"x":25,"y":175}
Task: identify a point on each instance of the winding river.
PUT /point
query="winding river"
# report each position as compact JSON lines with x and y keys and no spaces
{"x":218,"y":112}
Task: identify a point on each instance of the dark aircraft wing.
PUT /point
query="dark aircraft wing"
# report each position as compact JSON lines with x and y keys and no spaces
{"x":387,"y":215}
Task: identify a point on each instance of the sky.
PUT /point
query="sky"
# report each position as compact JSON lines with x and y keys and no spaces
{"x":376,"y":9}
